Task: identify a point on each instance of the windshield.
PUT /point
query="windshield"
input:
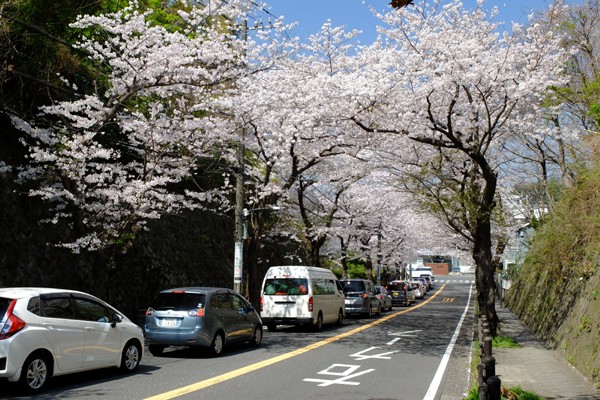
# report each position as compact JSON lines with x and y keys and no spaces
{"x":286,"y":286}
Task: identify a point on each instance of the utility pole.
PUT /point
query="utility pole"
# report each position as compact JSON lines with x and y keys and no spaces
{"x":379,"y":253}
{"x":238,"y":259}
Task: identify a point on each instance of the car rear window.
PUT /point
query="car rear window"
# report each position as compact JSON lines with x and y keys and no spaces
{"x":353,"y":286}
{"x":179,"y":301}
{"x":286,"y":286}
{"x":396,"y":286}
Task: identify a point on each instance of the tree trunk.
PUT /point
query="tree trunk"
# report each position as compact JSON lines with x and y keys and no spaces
{"x":485,"y":274}
{"x":344,"y":260}
{"x":254,"y":281}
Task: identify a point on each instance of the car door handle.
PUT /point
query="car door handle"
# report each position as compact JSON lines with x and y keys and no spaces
{"x":89,"y":329}
{"x":47,"y":325}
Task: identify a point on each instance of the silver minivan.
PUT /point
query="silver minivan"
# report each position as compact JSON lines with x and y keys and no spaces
{"x":361,"y":297}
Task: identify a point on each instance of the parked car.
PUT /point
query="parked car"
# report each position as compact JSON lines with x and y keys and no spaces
{"x":420,"y":288}
{"x":402,"y":293}
{"x":384,"y":297}
{"x":361,"y":297}
{"x":429,"y":279}
{"x":201,"y":317}
{"x":300,"y":295}
{"x":49,"y":332}
{"x":424,"y":283}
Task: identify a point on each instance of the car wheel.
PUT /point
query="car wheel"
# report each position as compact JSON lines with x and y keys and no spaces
{"x":319,"y":324}
{"x":131,"y":357}
{"x":340,"y":319}
{"x":216,"y":347}
{"x":379,"y":309}
{"x":257,"y":336}
{"x":272,"y":327}
{"x":37,"y":370}
{"x":370,"y":312}
{"x":156,"y":350}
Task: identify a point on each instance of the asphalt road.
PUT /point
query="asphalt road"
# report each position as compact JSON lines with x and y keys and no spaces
{"x":410,"y":353}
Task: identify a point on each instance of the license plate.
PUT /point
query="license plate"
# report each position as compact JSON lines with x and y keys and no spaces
{"x":396,"y":293}
{"x":169,"y":323}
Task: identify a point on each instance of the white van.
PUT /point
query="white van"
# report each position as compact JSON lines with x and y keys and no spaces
{"x":420,"y":271}
{"x":300,"y":295}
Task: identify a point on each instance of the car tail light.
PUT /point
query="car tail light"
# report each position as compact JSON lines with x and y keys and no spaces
{"x":365,"y":295}
{"x":262,"y":300}
{"x":12,"y":324}
{"x":379,"y":296}
{"x":199,"y":312}
{"x":310,"y":303}
{"x":149,"y":311}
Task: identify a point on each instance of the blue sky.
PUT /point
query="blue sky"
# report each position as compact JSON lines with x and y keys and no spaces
{"x":311,"y":14}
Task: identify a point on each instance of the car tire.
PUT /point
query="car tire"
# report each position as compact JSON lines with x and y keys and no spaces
{"x":131,"y":356}
{"x":156,"y":350}
{"x":379,"y":310}
{"x":218,"y":342}
{"x":36,"y":372}
{"x":370,"y":312}
{"x":340,"y":319}
{"x":272,"y":327}
{"x":319,"y":324}
{"x":257,"y":336}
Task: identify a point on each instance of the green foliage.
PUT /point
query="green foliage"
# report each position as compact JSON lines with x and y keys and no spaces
{"x":514,"y":393}
{"x":473,"y":393}
{"x":357,"y":269}
{"x":585,"y":324}
{"x":504,"y":342}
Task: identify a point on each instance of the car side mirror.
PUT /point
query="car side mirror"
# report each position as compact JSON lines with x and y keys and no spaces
{"x":115,"y":319}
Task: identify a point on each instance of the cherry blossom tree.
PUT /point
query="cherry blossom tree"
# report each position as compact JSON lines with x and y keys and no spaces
{"x":447,"y":79}
{"x":143,"y":143}
{"x":291,"y":129}
{"x":111,"y":160}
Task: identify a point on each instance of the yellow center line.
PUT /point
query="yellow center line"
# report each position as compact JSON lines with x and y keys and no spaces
{"x":261,"y":364}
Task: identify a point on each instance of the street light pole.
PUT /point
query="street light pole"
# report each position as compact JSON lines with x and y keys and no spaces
{"x":238,"y":259}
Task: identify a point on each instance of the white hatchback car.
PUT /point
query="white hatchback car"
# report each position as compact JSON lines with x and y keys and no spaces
{"x":49,"y":332}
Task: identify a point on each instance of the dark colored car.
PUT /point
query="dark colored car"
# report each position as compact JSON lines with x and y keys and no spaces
{"x":402,"y":293}
{"x":202,"y":317}
{"x":361,"y":297}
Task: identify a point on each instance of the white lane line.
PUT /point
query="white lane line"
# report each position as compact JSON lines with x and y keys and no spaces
{"x":439,"y":374}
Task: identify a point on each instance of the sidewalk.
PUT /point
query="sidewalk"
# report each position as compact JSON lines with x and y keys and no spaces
{"x":535,"y":368}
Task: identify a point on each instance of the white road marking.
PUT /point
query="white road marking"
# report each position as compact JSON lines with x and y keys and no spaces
{"x":346,"y":375}
{"x":360,"y":356}
{"x":401,"y":334}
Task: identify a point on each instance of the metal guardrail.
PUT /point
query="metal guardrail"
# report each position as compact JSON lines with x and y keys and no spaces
{"x":489,"y":383}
